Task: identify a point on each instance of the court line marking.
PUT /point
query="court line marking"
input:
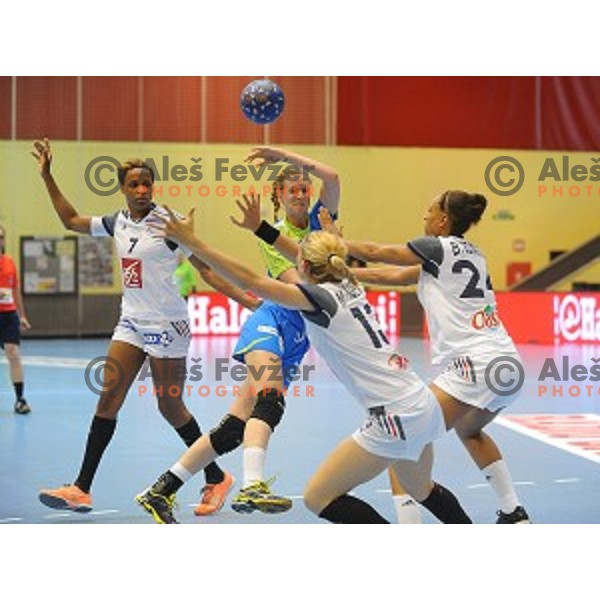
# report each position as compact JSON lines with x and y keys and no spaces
{"x":10,"y":519}
{"x":52,"y":361}
{"x":568,"y":480}
{"x":540,"y":437}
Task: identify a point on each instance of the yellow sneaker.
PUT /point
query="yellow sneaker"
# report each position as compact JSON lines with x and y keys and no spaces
{"x":258,"y":496}
{"x":159,"y":506}
{"x":213,"y":496}
{"x":68,"y":497}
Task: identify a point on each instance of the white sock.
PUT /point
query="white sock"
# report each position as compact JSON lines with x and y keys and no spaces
{"x":408,"y":511}
{"x":181,"y":472}
{"x":498,"y":476}
{"x":254,"y":463}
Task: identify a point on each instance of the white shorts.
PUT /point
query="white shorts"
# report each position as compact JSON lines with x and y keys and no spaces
{"x":393,"y":432}
{"x":466,"y":379}
{"x":167,"y":339}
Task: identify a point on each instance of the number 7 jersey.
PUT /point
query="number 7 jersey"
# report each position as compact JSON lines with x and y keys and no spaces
{"x":456,"y":292}
{"x":147,"y":265}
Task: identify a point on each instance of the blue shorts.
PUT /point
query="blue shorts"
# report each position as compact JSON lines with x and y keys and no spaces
{"x":10,"y":328}
{"x":275,"y":329}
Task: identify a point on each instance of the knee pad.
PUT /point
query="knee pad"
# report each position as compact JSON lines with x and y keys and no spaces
{"x":227,"y":435}
{"x":269,"y":407}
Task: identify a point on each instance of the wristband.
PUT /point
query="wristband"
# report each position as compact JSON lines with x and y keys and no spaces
{"x":267,"y":233}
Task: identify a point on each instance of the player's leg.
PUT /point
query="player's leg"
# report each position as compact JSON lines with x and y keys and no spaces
{"x":407,"y":510}
{"x":159,"y":498}
{"x":488,"y":458}
{"x":123,"y":363}
{"x":265,"y":371}
{"x":168,"y":375}
{"x":349,"y":465}
{"x":415,"y":477}
{"x":13,"y":356}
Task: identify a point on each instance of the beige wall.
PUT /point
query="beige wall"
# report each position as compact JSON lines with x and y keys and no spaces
{"x":384,"y":194}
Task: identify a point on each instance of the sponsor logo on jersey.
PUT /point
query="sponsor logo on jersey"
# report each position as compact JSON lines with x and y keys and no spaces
{"x":399,"y":362}
{"x":132,"y":272}
{"x":487,"y":317}
{"x":158,"y":339}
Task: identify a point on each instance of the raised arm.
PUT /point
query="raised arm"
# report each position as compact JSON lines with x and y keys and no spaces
{"x":251,"y":220}
{"x":388,"y":275}
{"x":271,"y":289}
{"x":330,"y":190}
{"x":225,"y":287}
{"x":395,"y":254}
{"x":68,"y":215}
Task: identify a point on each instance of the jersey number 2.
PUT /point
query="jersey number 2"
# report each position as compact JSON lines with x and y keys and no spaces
{"x":377,"y":337}
{"x":471,"y":290}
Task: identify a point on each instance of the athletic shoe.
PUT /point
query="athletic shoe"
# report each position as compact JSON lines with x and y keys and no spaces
{"x":159,"y":506}
{"x":518,"y":516}
{"x":258,"y":496}
{"x":21,"y":407}
{"x":68,"y":497}
{"x":213,"y":496}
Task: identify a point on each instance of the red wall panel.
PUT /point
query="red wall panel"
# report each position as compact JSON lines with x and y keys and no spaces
{"x":172,"y":109}
{"x":47,"y":106}
{"x":496,"y":112}
{"x":570,"y":113}
{"x":303,"y":119}
{"x":5,"y":108}
{"x":110,"y":108}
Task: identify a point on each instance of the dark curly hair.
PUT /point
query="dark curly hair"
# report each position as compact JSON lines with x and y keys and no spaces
{"x":463,"y":209}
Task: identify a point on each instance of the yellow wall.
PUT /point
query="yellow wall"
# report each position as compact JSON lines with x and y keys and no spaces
{"x":384,"y":194}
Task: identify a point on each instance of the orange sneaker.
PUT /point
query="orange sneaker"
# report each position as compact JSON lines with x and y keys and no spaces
{"x":68,"y":497}
{"x":213,"y":496}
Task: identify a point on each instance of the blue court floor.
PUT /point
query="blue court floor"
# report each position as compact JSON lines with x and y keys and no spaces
{"x":44,"y":449}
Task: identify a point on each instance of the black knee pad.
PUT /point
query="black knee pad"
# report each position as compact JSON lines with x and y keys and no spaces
{"x":227,"y":435}
{"x":269,"y":407}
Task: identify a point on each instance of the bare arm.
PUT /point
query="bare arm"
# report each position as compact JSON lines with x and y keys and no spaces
{"x":68,"y":215}
{"x":225,"y":287}
{"x":21,"y":307}
{"x":281,"y":293}
{"x":330,"y":190}
{"x":251,"y":220}
{"x":388,"y":275}
{"x":395,"y":254}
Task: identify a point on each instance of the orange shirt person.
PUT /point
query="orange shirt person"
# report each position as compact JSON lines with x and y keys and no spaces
{"x":12,"y":319}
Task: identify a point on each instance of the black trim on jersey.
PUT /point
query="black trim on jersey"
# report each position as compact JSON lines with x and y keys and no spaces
{"x":109,"y":222}
{"x":171,"y":245}
{"x":430,"y":250}
{"x":324,"y":303}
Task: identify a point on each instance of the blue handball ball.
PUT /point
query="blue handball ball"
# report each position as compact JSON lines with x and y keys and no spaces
{"x":262,"y":101}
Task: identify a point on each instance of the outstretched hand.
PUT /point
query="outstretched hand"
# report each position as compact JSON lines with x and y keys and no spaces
{"x":328,"y":224}
{"x":250,"y":212}
{"x":43,"y":154}
{"x":174,"y":228}
{"x":265,"y":155}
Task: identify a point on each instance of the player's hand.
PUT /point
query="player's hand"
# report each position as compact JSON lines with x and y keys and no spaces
{"x":265,"y":155}
{"x":174,"y":228}
{"x":327,"y":223}
{"x":250,"y":212}
{"x":43,"y":154}
{"x":25,"y":324}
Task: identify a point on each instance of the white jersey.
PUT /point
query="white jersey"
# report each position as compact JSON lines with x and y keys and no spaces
{"x":456,"y":292}
{"x":345,"y":331}
{"x":147,"y":265}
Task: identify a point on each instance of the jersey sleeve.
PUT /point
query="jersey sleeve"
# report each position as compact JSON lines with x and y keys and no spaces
{"x":430,"y":250}
{"x":103,"y":226}
{"x":313,"y":216}
{"x":325,"y":305}
{"x":275,"y":262}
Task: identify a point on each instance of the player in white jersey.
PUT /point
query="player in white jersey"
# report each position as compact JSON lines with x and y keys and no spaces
{"x":402,"y":414}
{"x":153,"y":325}
{"x":466,"y":332}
